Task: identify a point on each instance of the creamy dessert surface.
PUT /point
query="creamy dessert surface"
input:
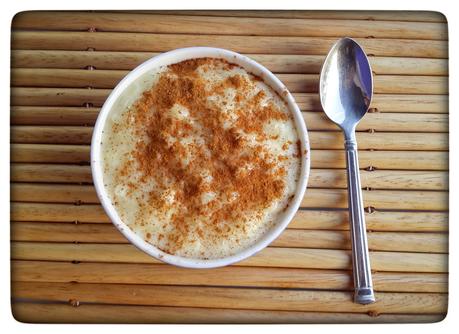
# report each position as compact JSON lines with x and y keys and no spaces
{"x":204,"y":161}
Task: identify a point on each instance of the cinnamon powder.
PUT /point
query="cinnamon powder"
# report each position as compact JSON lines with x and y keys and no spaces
{"x":244,"y":178}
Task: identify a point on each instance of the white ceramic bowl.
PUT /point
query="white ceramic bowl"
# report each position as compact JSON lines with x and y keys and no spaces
{"x":127,"y":91}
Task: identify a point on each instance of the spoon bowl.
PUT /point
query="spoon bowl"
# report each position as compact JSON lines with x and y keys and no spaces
{"x":346,"y":84}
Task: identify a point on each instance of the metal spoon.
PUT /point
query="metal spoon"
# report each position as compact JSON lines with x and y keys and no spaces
{"x":346,"y":88}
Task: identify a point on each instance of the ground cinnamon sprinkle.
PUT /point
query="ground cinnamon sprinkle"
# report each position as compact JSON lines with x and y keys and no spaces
{"x":241,"y":180}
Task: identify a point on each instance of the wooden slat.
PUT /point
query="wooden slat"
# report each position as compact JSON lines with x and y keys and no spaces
{"x":318,"y":139}
{"x":28,"y":115}
{"x":403,"y":122}
{"x":308,"y":64}
{"x":377,"y":241}
{"x":101,"y":60}
{"x":304,"y":219}
{"x":50,"y":173}
{"x":62,"y":272}
{"x":275,"y":257}
{"x":402,"y":221}
{"x":60,"y":232}
{"x":407,"y":122}
{"x":233,"y":298}
{"x":383,"y":15}
{"x":379,"y":260}
{"x":180,"y":24}
{"x":58,"y":212}
{"x":412,"y":160}
{"x":51,"y":134}
{"x":319,"y":178}
{"x":398,"y":84}
{"x":418,"y":242}
{"x":409,"y":66}
{"x":41,"y":77}
{"x":381,"y":141}
{"x":107,"y":233}
{"x":90,"y":313}
{"x":112,"y":41}
{"x":296,"y":83}
{"x":50,"y":153}
{"x":380,"y":179}
{"x":58,"y":97}
{"x":315,"y":198}
{"x":379,"y":199}
{"x":54,"y":193}
{"x":399,"y":102}
{"x":22,"y":96}
{"x":386,"y":102}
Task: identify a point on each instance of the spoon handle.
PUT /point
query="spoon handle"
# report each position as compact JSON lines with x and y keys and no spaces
{"x":363,"y":285}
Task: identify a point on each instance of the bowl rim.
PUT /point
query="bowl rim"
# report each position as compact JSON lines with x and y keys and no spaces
{"x":168,"y":58}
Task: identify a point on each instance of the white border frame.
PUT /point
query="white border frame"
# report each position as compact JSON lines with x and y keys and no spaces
{"x":449,"y":8}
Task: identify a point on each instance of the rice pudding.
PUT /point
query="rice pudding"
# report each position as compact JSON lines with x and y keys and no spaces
{"x":203,"y":161}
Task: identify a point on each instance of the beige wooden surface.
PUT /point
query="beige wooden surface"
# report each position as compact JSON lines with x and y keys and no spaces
{"x":69,"y":264}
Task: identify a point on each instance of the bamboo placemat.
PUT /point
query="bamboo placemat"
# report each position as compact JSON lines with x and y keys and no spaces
{"x":69,"y":264}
